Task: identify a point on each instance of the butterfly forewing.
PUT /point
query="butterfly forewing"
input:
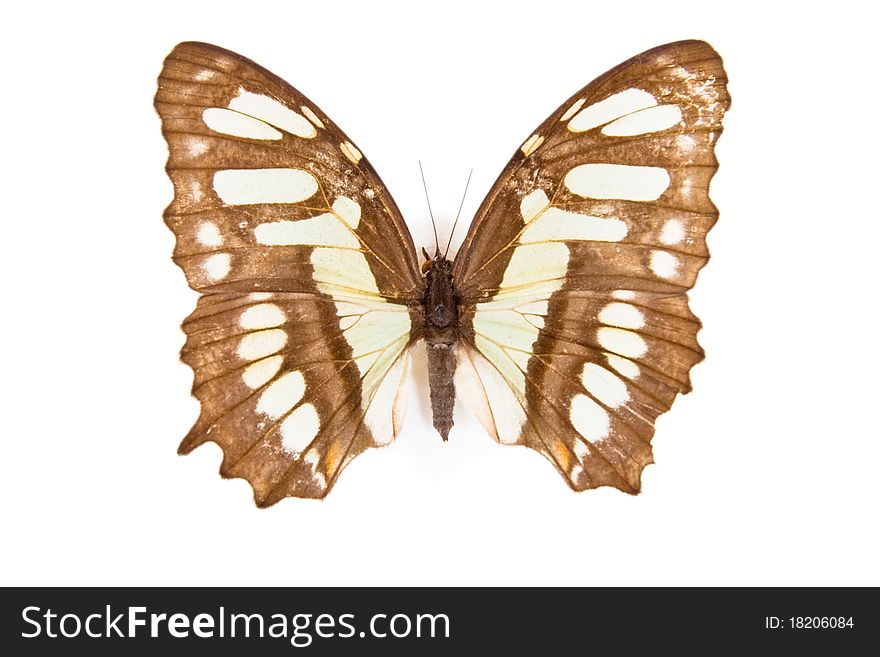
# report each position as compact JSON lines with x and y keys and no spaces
{"x":574,"y":273}
{"x":306,"y":267}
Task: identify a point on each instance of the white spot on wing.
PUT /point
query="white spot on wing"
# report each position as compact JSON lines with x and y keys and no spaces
{"x":208,"y":235}
{"x":489,"y":397}
{"x":623,"y":366}
{"x":622,"y":342}
{"x":620,"y":181}
{"x":258,"y":374}
{"x":254,"y":346}
{"x":686,"y":142}
{"x":252,"y":186}
{"x":625,"y":295}
{"x":531,"y":144}
{"x":611,"y":108}
{"x":571,"y":111}
{"x":195,"y":191}
{"x":664,"y":264}
{"x":328,"y":229}
{"x":652,"y":119}
{"x":196,"y":146}
{"x":282,"y":395}
{"x":605,"y":386}
{"x":348,"y":149}
{"x":672,"y":233}
{"x":373,"y":331}
{"x":380,"y":417}
{"x":299,"y":429}
{"x":581,"y":450}
{"x":311,"y":459}
{"x":262,"y":316}
{"x":623,"y":315}
{"x":311,"y":116}
{"x":347,"y":210}
{"x":272,"y":112}
{"x":322,"y":230}
{"x":535,"y":269}
{"x":230,"y":122}
{"x":562,"y":225}
{"x":533,"y":204}
{"x":589,"y":419}
{"x":217,"y":266}
{"x":343,"y":271}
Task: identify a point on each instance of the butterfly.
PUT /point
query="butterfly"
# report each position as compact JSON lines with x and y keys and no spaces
{"x":563,"y":321}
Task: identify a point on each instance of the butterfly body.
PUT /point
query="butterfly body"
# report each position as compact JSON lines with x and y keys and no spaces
{"x":563,"y":320}
{"x":440,"y":310}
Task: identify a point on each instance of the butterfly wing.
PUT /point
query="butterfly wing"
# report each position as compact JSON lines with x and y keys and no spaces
{"x":573,"y":276}
{"x":306,"y":270}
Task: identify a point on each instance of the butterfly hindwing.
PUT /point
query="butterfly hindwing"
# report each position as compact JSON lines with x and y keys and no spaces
{"x":574,"y":273}
{"x":306,"y":270}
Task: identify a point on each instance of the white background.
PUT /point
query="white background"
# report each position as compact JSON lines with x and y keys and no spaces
{"x":765,"y":474}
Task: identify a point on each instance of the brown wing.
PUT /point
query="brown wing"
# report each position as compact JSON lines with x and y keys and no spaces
{"x":573,"y":276}
{"x":306,"y":268}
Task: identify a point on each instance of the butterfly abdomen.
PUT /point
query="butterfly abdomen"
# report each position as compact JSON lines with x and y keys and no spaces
{"x":440,"y":307}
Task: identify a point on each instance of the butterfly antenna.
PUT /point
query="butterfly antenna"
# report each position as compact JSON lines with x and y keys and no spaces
{"x":430,"y":211}
{"x":461,"y":205}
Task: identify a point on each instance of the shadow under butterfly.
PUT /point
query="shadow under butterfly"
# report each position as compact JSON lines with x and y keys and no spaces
{"x":563,"y":321}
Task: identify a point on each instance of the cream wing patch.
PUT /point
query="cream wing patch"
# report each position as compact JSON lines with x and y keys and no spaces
{"x":376,"y":330}
{"x":262,"y":316}
{"x":664,"y":264}
{"x":260,"y":344}
{"x":209,"y":235}
{"x":549,"y":223}
{"x":611,"y":108}
{"x":562,"y":225}
{"x":622,"y":342}
{"x":272,"y":112}
{"x":282,"y":395}
{"x":531,"y":144}
{"x":672,"y":233}
{"x":217,"y":266}
{"x":617,"y":181}
{"x":589,"y":419}
{"x":253,"y":186}
{"x":623,"y":315}
{"x":348,"y":149}
{"x":236,"y":124}
{"x":652,"y":119}
{"x":299,"y":429}
{"x":489,"y":396}
{"x":258,"y":374}
{"x":335,"y":228}
{"x":385,"y":412}
{"x":604,"y":385}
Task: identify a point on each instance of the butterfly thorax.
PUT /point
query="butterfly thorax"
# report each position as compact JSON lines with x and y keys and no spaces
{"x":440,"y":308}
{"x":439,"y":301}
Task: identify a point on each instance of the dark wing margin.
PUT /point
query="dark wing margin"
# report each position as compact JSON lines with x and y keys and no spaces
{"x":574,"y":273}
